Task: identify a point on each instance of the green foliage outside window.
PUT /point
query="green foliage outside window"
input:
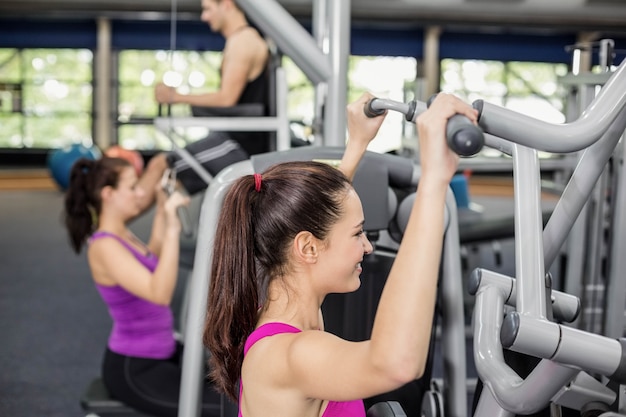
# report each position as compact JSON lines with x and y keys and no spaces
{"x":528,"y":87}
{"x":139,"y":72}
{"x":45,"y":97}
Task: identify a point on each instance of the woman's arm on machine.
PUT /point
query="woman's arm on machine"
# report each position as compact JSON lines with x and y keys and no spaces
{"x":397,"y":350}
{"x":408,"y":298}
{"x":361,"y":131}
{"x":158,"y":223}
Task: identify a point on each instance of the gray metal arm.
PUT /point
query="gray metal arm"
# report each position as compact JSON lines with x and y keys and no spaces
{"x":194,"y":353}
{"x":530,"y":329}
{"x":290,"y":37}
{"x":589,"y":168}
{"x":564,"y":138}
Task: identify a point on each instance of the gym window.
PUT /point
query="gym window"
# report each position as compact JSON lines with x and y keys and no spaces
{"x":139,"y":72}
{"x":530,"y":88}
{"x":387,"y":77}
{"x":45,"y":97}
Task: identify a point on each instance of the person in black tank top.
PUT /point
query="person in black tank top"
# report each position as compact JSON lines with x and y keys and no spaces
{"x":245,"y":54}
{"x":223,"y":148}
{"x":256,"y":92}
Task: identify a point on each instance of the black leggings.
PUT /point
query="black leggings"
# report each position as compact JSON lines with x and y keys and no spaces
{"x":153,"y":385}
{"x":215,"y":152}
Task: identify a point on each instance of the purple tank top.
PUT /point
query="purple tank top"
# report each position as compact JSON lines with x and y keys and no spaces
{"x":140,"y":328}
{"x":354,"y":408}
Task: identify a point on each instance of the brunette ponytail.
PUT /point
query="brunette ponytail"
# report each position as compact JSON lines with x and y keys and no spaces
{"x":260,"y":216}
{"x":82,"y":198}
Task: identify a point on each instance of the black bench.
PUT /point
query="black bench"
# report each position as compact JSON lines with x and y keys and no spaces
{"x":96,"y":401}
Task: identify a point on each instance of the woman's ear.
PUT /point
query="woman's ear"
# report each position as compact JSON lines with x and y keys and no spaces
{"x":228,"y":3}
{"x":306,"y":247}
{"x":106,"y":192}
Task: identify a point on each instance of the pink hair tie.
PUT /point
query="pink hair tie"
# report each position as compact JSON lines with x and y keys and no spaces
{"x":257,"y":183}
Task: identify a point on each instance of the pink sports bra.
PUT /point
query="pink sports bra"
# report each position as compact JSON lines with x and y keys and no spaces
{"x":354,"y":408}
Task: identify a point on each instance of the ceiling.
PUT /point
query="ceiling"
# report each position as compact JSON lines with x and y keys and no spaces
{"x":589,"y":15}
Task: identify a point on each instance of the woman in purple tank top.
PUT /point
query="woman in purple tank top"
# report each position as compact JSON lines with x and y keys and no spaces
{"x":141,"y":365}
{"x":288,"y":237}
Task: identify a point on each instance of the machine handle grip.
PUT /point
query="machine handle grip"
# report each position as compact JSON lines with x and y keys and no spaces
{"x":371,"y":111}
{"x":168,"y":184}
{"x":463,"y":136}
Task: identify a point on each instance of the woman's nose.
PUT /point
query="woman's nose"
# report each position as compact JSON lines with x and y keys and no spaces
{"x":367,"y":245}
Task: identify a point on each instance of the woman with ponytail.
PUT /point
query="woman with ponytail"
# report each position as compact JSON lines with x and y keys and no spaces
{"x":289,"y":236}
{"x":136,"y":280}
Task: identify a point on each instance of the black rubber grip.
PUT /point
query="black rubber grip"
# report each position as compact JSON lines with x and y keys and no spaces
{"x":463,"y":136}
{"x":371,"y":112}
{"x":474,"y":281}
{"x":410,"y":114}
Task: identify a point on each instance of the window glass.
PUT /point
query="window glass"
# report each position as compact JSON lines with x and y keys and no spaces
{"x":143,"y":136}
{"x":63,"y":65}
{"x":45,"y":97}
{"x":11,"y":133}
{"x":301,"y":96}
{"x":195,"y":72}
{"x":139,"y":72}
{"x":10,"y":65}
{"x":386,"y":77}
{"x":56,"y":130}
{"x":530,"y":88}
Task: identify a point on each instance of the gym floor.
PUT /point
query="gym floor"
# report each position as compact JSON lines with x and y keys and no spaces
{"x":52,"y":322}
{"x":54,"y":326}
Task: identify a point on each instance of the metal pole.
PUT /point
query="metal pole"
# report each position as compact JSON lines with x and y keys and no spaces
{"x":290,"y":37}
{"x":320,"y":32}
{"x":453,"y":318}
{"x":103,"y":75}
{"x":194,"y":353}
{"x":431,"y":61}
{"x":616,"y":287}
{"x":529,"y":264}
{"x":335,"y":112}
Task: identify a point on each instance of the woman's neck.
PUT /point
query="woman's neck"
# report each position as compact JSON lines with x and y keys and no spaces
{"x":112,"y":226}
{"x":290,"y":306}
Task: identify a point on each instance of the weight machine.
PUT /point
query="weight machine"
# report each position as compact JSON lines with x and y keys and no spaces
{"x":579,"y":369}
